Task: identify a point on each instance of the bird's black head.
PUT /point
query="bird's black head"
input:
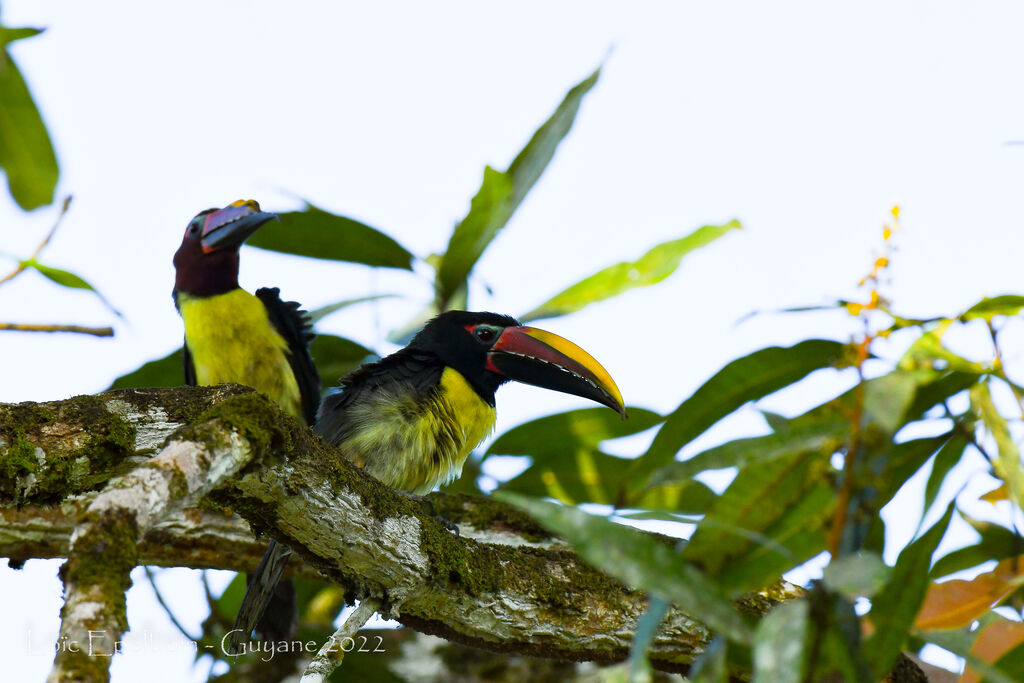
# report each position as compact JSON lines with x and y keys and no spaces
{"x":489,"y":349}
{"x":206,"y":263}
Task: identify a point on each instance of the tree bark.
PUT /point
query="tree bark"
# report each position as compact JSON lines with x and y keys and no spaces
{"x":503,"y":584}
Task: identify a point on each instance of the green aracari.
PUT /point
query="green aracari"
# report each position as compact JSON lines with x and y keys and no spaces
{"x":234,"y":336}
{"x":412,"y":418}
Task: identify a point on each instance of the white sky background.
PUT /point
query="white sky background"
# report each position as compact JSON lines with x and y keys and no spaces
{"x":807,"y":123}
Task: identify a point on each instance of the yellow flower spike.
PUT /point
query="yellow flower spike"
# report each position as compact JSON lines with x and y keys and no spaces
{"x":896,"y":211}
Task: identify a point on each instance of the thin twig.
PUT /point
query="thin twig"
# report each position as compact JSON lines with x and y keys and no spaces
{"x":1000,"y":370}
{"x":333,"y":652}
{"x":42,"y":245}
{"x":167,"y":609}
{"x":77,"y":329}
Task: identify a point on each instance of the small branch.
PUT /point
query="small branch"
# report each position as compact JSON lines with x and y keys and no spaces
{"x":167,"y":609}
{"x":332,"y":653}
{"x":42,"y":245}
{"x":77,"y":329}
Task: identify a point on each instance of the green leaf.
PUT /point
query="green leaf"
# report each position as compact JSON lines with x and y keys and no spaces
{"x":894,"y":608}
{"x":646,"y":627}
{"x":639,"y":560}
{"x":335,"y":357}
{"x":996,"y":543}
{"x":320,"y":313}
{"x":987,"y":308}
{"x":653,"y":267}
{"x":947,"y":457}
{"x":928,"y":352}
{"x":1007,"y":464}
{"x":567,"y":463}
{"x":779,"y":644}
{"x":823,"y":437}
{"x":162,"y":372}
{"x":887,"y":399}
{"x":26,"y":152}
{"x":501,"y":193}
{"x":797,"y":536}
{"x":316,"y":233}
{"x":582,"y":428}
{"x":760,"y":496}
{"x":745,"y":379}
{"x":67,"y":279}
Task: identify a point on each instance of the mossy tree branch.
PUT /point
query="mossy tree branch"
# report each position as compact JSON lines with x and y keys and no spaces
{"x":504,"y":584}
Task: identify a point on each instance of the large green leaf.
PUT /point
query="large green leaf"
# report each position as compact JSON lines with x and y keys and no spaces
{"x":779,"y":643}
{"x":759,"y":496}
{"x":68,"y":279}
{"x":947,"y":457}
{"x":996,"y":543}
{"x":582,"y":428}
{"x":568,"y":465}
{"x":987,"y":308}
{"x":639,"y":560}
{"x":894,"y":608}
{"x":745,"y":379}
{"x":26,"y":152}
{"x":501,"y":193}
{"x":797,"y":536}
{"x":316,"y":233}
{"x":335,"y":357}
{"x":653,"y":267}
{"x":162,"y":372}
{"x":1007,"y":465}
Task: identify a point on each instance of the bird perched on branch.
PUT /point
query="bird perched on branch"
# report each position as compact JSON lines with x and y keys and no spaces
{"x":234,"y":336}
{"x":412,"y":418}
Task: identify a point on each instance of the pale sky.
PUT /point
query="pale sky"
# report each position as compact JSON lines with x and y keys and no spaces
{"x":805,"y":121}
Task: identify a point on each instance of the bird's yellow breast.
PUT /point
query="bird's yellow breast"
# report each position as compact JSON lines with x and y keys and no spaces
{"x":415,"y":444}
{"x":231,"y":339}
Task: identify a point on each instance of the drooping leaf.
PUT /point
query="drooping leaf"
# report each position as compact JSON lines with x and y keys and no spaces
{"x":335,"y":357}
{"x":928,"y":352}
{"x":996,"y":543}
{"x":987,"y":308}
{"x":26,"y":152}
{"x":894,"y":608}
{"x":1007,"y":465}
{"x":319,"y":314}
{"x":501,"y":193}
{"x":653,"y":267}
{"x":582,"y":428}
{"x":779,"y":654}
{"x":316,"y":233}
{"x":162,"y":372}
{"x":639,"y":560}
{"x":746,"y":379}
{"x":68,"y":279}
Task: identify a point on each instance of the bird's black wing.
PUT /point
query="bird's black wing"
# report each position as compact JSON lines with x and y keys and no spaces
{"x":295,"y":326}
{"x":406,"y":371}
{"x":189,"y":366}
